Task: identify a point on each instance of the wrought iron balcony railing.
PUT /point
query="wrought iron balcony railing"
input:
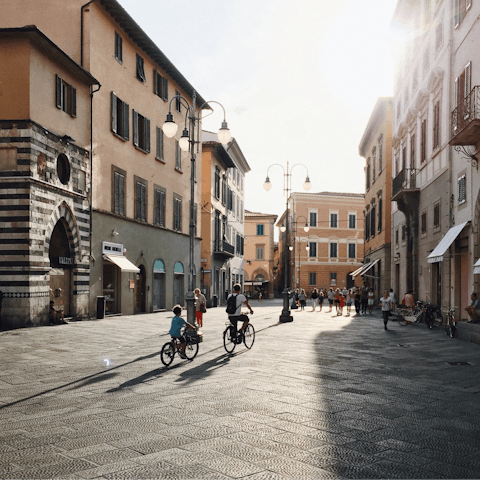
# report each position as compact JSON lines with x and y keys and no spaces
{"x":465,"y":116}
{"x":222,"y":247}
{"x":405,"y":180}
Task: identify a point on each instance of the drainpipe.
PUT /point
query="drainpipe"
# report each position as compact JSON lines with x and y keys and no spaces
{"x":92,"y":92}
{"x":81,"y":30}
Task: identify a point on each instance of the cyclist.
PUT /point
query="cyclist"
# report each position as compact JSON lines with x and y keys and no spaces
{"x":240,"y":300}
{"x":177,"y":323}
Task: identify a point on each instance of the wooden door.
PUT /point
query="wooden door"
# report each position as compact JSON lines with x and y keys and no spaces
{"x":60,"y":289}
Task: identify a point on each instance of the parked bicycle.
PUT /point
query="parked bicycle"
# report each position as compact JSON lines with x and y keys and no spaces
{"x":173,"y":346}
{"x":407,"y":316}
{"x":233,"y":337}
{"x":450,"y":321}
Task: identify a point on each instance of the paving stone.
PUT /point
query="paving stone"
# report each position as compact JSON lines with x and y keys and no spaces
{"x":293,"y":468}
{"x":231,"y":467}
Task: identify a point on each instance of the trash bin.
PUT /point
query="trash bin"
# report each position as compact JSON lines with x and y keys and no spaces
{"x":214,"y":301}
{"x":100,"y":307}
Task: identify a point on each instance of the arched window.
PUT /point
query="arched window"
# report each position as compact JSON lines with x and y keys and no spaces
{"x":178,"y":268}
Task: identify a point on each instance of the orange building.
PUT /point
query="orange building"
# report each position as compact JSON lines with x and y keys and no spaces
{"x":332,"y":248}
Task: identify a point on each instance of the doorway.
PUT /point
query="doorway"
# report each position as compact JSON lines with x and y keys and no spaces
{"x":140,"y":304}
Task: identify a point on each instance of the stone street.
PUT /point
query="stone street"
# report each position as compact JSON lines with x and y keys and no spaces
{"x":321,"y":397}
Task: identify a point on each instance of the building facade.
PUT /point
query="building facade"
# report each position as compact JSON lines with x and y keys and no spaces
{"x":140,"y":193}
{"x":332,"y":249}
{"x":376,"y":148}
{"x":45,"y":175}
{"x":259,"y":253}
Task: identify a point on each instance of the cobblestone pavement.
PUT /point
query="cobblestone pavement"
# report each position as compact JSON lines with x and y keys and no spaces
{"x":321,"y":397}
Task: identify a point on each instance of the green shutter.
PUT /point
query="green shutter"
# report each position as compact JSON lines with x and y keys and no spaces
{"x":114,"y":114}
{"x":135,"y":127}
{"x":58,"y":91}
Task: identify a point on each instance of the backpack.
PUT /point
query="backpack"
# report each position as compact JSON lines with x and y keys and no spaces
{"x":231,"y":304}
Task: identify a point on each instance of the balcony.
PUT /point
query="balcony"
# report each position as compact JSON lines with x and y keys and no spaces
{"x":404,"y":186}
{"x":223,"y":249}
{"x":466,"y":120}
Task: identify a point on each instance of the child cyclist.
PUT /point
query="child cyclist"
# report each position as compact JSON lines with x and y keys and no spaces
{"x":177,"y":323}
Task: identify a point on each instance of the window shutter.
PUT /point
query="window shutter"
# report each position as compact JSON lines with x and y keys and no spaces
{"x":379,"y":215}
{"x":162,"y":208}
{"x":58,"y":91}
{"x":147,"y":135}
{"x":455,"y":92}
{"x":73,"y":101}
{"x":139,"y":207}
{"x":155,"y":82}
{"x":126,"y":122}
{"x":144,"y":202}
{"x":135,"y":127}
{"x":114,"y":112}
{"x":157,"y":154}
{"x":116,"y":182}
{"x":121,"y":195}
{"x":468,"y":79}
{"x":165,"y":89}
{"x":457,"y":13}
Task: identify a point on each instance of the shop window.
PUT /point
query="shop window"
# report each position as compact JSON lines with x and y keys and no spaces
{"x":178,"y":284}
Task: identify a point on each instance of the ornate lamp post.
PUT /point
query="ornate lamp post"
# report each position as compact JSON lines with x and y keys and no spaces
{"x":306,"y":229}
{"x":190,"y":142}
{"x":287,"y":187}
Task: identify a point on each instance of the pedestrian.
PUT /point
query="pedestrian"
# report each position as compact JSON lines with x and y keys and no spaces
{"x":321,"y":297}
{"x":342,"y":302}
{"x":200,"y":306}
{"x":336,"y":300}
{"x":331,"y":296}
{"x":473,"y":309}
{"x":260,"y":296}
{"x":55,"y":315}
{"x":371,"y":300}
{"x":302,"y":299}
{"x":392,"y":298}
{"x":364,"y":300}
{"x":357,"y":297}
{"x":386,"y":307}
{"x":409,"y":300}
{"x":314,"y":297}
{"x":348,"y":302}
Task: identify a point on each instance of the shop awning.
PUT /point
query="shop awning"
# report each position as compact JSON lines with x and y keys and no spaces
{"x":444,"y":244}
{"x":363,"y":269}
{"x":476,"y":267}
{"x":123,"y":263}
{"x":250,"y":282}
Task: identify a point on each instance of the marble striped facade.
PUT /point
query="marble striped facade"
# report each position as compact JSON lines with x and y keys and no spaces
{"x":32,"y":201}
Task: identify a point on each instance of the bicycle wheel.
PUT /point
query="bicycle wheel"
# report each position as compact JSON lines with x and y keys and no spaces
{"x":167,"y":354}
{"x":400,"y":316}
{"x":191,"y":350}
{"x":437,"y":319}
{"x":249,"y":336}
{"x":229,"y":339}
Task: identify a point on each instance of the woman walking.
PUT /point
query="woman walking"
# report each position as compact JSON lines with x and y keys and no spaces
{"x":386,"y":307}
{"x":348,"y":302}
{"x":302,"y":299}
{"x":364,"y":301}
{"x":336,"y":300}
{"x":321,"y":297}
{"x":314,"y":297}
{"x":331,"y":295}
{"x":371,"y":300}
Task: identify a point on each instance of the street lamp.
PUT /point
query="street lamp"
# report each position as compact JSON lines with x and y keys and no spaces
{"x":287,"y":187}
{"x":188,"y":141}
{"x":306,"y":229}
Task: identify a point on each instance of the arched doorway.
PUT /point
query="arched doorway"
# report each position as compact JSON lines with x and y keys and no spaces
{"x":158,"y":285}
{"x":350,"y":281}
{"x":178,"y":284}
{"x":61,"y":263}
{"x":140,"y":303}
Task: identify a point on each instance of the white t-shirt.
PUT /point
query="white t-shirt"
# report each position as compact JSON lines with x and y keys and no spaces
{"x":385,"y":304}
{"x":240,"y":298}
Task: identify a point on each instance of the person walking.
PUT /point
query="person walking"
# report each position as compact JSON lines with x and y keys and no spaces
{"x":364,"y":301}
{"x":336,"y":300}
{"x":314,"y":297}
{"x":321,"y":297}
{"x":371,"y":300}
{"x":200,"y":306}
{"x":392,"y":298}
{"x":331,"y":295}
{"x":348,"y":302}
{"x":357,"y":297}
{"x":342,"y":302}
{"x":302,"y":299}
{"x":386,"y":307}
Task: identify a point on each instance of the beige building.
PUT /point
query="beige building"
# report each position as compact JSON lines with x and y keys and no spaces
{"x":140,"y":191}
{"x":376,"y":148}
{"x":332,"y":248}
{"x":259,"y":253}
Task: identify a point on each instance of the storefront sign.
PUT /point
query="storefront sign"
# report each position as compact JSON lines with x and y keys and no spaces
{"x":112,"y":248}
{"x":65,"y":260}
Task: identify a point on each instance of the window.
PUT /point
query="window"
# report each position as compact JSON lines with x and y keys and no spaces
{"x":436,"y":125}
{"x":224,"y":190}
{"x":141,"y":200}
{"x":259,"y":230}
{"x":160,"y":85}
{"x":178,"y":156}
{"x":436,"y":215}
{"x":403,"y":232}
{"x":178,"y":102}
{"x":367,"y":225}
{"x":352,"y":220}
{"x":140,"y":69}
{"x":438,"y":36}
{"x":462,"y":194}
{"x":374,"y":164}
{"x":396,"y":236}
{"x":229,"y":199}
{"x":312,"y":278}
{"x":399,"y":109}
{"x":461,"y":9}
{"x":160,"y":196}
{"x":63,"y":169}
{"x":380,"y":155}
{"x":333,"y":250}
{"x":404,"y":158}
{"x":333,"y":220}
{"x":66,"y":96}
{"x":372,"y":220}
{"x":313,"y":219}
{"x":352,"y":250}
{"x":119,"y":192}
{"x":312,"y":250}
{"x":177,"y":213}
{"x":380,"y":207}
{"x":423,"y":141}
{"x":141,"y":132}
{"x":118,"y":48}
{"x":423,"y":222}
{"x":159,"y":155}
{"x":333,"y":278}
{"x":368,"y":174}
{"x":426,"y":60}
{"x":413,"y":160}
{"x":217,"y":183}
{"x":259,"y":253}
{"x":119,"y":114}
{"x":462,"y":90}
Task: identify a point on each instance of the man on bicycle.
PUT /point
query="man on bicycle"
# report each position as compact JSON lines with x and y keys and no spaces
{"x":240,"y":300}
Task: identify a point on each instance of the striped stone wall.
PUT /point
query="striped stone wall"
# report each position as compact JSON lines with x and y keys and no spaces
{"x":32,"y":200}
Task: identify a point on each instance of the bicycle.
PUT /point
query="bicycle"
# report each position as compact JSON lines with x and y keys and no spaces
{"x":407,"y":316}
{"x":451,"y":322}
{"x":233,"y":337}
{"x":173,"y":346}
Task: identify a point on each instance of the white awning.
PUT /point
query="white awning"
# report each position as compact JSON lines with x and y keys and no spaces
{"x":122,"y":262}
{"x":476,"y":267}
{"x":444,"y":244}
{"x":357,"y":271}
{"x":364,"y":268}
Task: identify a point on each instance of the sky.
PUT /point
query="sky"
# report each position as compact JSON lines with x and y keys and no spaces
{"x":298,"y":80}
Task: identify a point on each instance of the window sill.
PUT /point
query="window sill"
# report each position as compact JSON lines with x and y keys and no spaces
{"x":161,"y":160}
{"x":123,"y":139}
{"x":179,"y":170}
{"x":119,"y":60}
{"x":141,"y":149}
